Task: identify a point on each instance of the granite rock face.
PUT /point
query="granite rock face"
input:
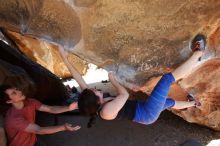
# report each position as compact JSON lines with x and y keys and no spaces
{"x":46,"y":54}
{"x":139,"y":40}
{"x":53,"y":20}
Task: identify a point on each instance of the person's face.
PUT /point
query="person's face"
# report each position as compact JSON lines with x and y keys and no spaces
{"x":98,"y":93}
{"x":15,"y":95}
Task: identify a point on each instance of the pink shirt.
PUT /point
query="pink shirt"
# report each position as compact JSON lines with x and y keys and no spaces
{"x":18,"y":119}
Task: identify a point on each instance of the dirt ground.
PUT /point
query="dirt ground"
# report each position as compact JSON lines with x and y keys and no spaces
{"x":169,"y":130}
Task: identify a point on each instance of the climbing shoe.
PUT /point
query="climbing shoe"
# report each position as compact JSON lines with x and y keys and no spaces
{"x":192,"y":98}
{"x":198,"y":43}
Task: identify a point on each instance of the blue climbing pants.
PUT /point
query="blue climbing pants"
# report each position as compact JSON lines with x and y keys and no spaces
{"x":147,"y":112}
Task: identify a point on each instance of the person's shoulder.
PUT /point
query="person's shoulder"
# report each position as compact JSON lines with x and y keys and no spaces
{"x":30,"y":102}
{"x":33,"y":103}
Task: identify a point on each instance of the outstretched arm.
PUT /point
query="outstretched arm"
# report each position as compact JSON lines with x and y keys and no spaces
{"x":111,"y":109}
{"x":58,"y":109}
{"x":76,"y":75}
{"x":36,"y":129}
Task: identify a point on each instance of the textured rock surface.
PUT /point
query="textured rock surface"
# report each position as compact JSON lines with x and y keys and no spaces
{"x":53,"y":20}
{"x":47,"y":55}
{"x":82,"y":3}
{"x":139,"y":40}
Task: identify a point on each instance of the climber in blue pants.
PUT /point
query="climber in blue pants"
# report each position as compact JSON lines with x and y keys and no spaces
{"x":147,"y":112}
{"x":156,"y":102}
{"x":92,"y":102}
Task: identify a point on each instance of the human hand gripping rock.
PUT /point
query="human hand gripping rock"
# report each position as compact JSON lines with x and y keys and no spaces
{"x":111,"y":75}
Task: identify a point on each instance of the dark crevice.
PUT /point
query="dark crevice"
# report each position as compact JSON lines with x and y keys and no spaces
{"x":49,"y":88}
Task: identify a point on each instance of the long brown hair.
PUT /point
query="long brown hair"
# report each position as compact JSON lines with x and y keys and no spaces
{"x":88,"y":104}
{"x":3,"y":95}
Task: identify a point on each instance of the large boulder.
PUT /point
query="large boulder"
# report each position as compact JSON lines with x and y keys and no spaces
{"x":53,"y":20}
{"x":46,"y":54}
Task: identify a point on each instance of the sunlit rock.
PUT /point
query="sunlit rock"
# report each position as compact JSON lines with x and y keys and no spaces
{"x":47,"y":55}
{"x":83,"y":3}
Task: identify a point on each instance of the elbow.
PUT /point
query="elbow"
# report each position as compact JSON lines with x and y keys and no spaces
{"x":108,"y":116}
{"x":126,"y":94}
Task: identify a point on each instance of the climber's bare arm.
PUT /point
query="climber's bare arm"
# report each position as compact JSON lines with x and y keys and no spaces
{"x":111,"y":109}
{"x":76,"y":75}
